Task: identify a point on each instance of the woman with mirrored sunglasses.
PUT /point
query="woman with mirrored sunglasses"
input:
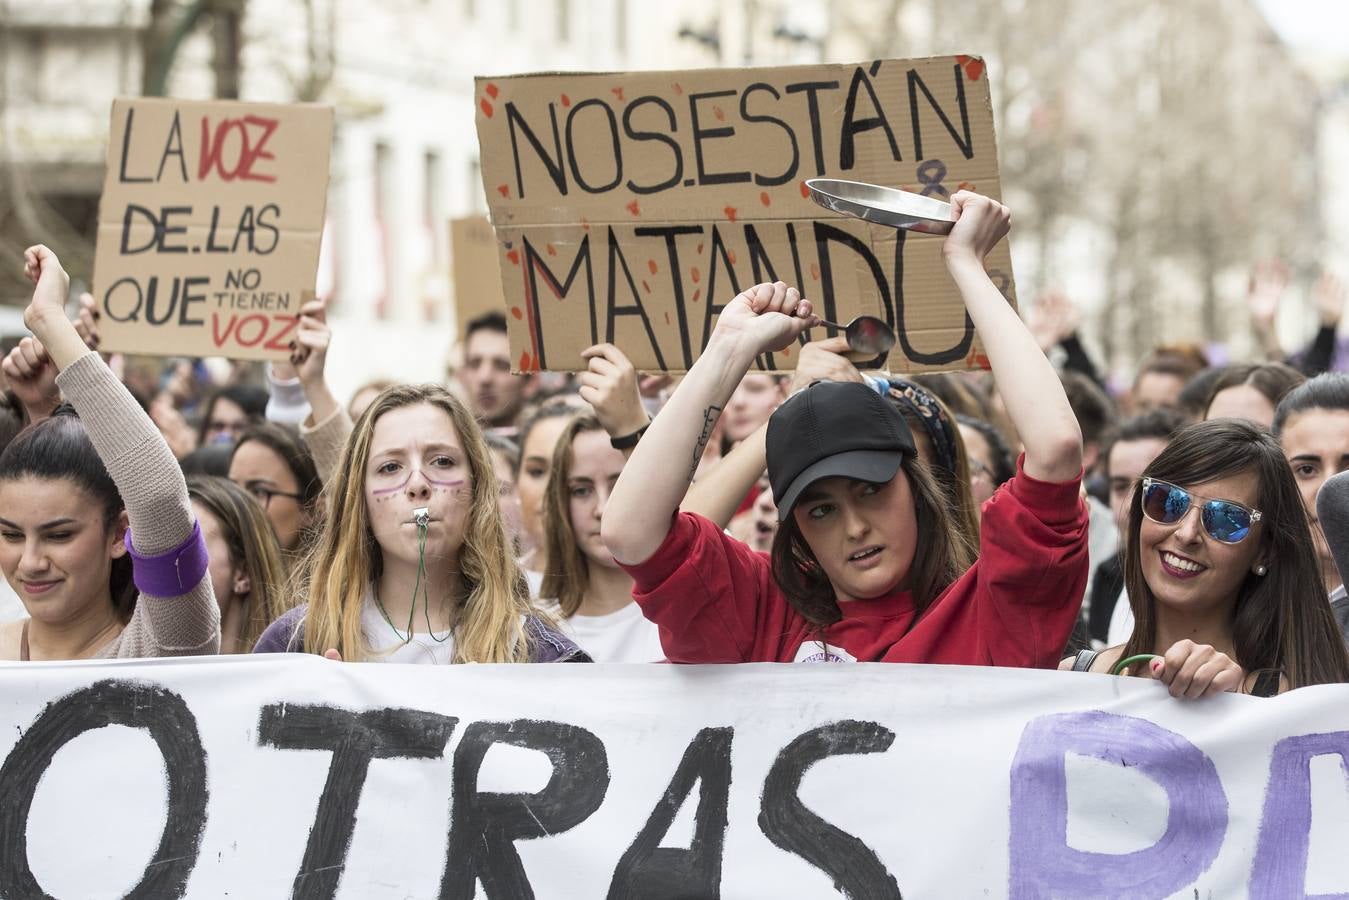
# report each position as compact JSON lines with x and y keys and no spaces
{"x":1222,"y":574}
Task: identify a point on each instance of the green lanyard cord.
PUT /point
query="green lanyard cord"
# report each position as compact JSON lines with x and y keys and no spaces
{"x":422,"y":582}
{"x":421,"y":586}
{"x":1142,"y":657}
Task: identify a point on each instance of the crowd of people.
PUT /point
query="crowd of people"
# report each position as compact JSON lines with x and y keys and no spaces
{"x":1016,"y":517}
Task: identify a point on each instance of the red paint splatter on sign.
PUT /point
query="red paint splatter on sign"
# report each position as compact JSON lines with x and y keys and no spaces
{"x":525,"y":361}
{"x":982,"y":362}
{"x":515,"y":311}
{"x":513,"y":256}
{"x":651,"y":265}
{"x":617,"y":92}
{"x":730,"y":213}
{"x":764,"y":198}
{"x":486,"y":108}
{"x":974,"y":67}
{"x":805,"y":191}
{"x":965,"y":186}
{"x":552,"y":251}
{"x":679,"y":91}
{"x":721,"y":116}
{"x":814,"y":271}
{"x":634,"y":208}
{"x":697,"y":295}
{"x":585,"y":226}
{"x":504,"y":190}
{"x":696,"y":275}
{"x":730,"y":254}
{"x":566,"y":101}
{"x":492,"y":91}
{"x":700,"y":248}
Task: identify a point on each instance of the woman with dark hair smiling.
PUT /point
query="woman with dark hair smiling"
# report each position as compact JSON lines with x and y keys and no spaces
{"x":1221,"y":572}
{"x":96,"y":532}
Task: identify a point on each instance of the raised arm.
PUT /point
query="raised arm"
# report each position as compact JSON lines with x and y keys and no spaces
{"x":325,"y":430}
{"x":177,"y":613}
{"x":637,"y":518}
{"x":1028,"y":384}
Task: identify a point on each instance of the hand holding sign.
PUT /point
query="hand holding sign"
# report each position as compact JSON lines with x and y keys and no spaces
{"x":610,"y":386}
{"x":768,"y":317}
{"x":1196,"y":670}
{"x":86,"y":323}
{"x":310,"y":347}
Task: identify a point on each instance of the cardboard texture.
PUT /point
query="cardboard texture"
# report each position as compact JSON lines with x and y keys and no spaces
{"x":209,"y":225}
{"x":629,"y":207}
{"x":477,"y":277}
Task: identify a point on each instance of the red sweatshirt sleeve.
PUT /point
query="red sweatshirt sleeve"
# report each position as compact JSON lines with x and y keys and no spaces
{"x":1017,"y":604}
{"x":711,"y":595}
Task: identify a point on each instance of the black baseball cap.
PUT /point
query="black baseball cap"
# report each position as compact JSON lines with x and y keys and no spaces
{"x":833,"y":429}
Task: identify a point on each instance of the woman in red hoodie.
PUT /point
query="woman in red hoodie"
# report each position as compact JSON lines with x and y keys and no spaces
{"x":864,"y":566}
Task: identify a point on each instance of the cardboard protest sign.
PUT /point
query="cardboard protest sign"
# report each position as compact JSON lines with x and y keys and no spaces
{"x":629,"y":206}
{"x":209,"y":225}
{"x":263,"y":777}
{"x":477,"y":277}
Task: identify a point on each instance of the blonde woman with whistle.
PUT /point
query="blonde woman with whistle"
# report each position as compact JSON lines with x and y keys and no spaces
{"x":413,"y":563}
{"x":862,"y":567}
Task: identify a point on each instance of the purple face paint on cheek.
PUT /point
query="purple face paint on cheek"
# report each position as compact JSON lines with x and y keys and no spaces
{"x":1042,"y":863}
{"x":384,"y":492}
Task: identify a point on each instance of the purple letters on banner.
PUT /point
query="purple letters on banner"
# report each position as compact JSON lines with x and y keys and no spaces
{"x":1280,"y":868}
{"x":1042,"y":863}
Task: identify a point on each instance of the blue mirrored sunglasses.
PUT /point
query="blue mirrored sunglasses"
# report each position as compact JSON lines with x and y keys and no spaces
{"x":1166,"y":504}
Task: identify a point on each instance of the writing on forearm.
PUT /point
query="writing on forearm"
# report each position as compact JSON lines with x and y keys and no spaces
{"x":710,"y":416}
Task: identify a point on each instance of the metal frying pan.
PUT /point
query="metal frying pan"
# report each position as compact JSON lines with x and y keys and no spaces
{"x":883,"y":205}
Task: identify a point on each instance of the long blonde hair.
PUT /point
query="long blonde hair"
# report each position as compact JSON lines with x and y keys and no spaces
{"x":567,"y":575}
{"x":346,"y":561}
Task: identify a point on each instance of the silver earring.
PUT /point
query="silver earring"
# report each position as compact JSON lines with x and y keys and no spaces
{"x":1261,"y":570}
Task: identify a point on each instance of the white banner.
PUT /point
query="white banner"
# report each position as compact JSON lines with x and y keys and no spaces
{"x":274,"y":777}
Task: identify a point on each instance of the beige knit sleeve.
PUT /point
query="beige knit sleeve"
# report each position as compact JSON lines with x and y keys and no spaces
{"x":326,"y":441}
{"x":157,"y":505}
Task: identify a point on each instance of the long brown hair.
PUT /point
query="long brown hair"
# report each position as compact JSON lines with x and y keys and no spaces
{"x":938,"y":560}
{"x":252,"y":544}
{"x":1281,"y":620}
{"x":346,"y":559}
{"x":568,"y":573}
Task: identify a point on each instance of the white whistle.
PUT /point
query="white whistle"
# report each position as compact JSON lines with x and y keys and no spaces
{"x":422,"y":516}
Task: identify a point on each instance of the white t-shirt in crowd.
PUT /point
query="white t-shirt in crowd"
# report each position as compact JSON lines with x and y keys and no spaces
{"x":535,"y":582}
{"x":1121,"y":621}
{"x":624,"y":636}
{"x":385,"y":646}
{"x":11,"y":607}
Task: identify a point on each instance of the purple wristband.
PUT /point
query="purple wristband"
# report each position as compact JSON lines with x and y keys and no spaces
{"x":173,"y":572}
